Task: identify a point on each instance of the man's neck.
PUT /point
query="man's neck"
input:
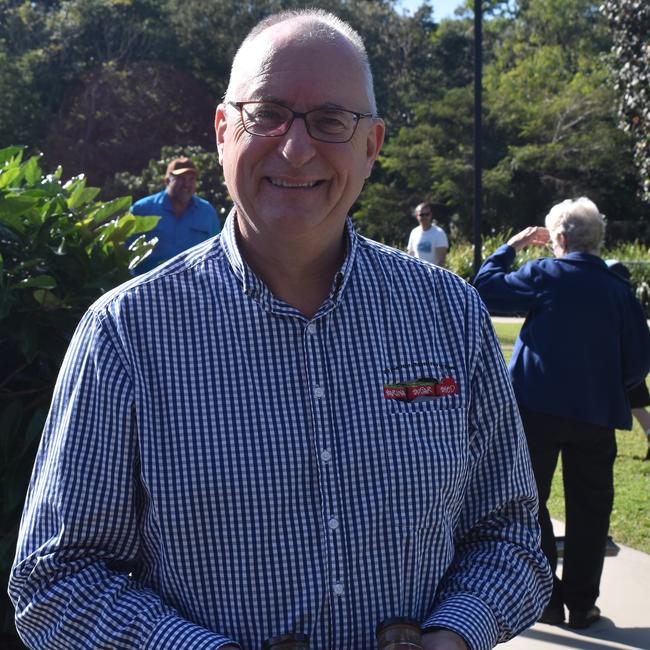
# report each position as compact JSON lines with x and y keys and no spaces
{"x":299,"y":272}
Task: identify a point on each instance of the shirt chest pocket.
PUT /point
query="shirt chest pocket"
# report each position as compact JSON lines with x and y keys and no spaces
{"x":427,"y":463}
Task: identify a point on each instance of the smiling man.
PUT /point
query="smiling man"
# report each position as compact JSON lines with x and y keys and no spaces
{"x":297,"y":461}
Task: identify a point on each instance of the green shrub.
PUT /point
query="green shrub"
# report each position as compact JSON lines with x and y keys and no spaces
{"x":636,"y":257}
{"x":59,"y":250}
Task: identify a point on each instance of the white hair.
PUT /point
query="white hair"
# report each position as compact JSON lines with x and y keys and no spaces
{"x":581,"y":222}
{"x":321,"y":25}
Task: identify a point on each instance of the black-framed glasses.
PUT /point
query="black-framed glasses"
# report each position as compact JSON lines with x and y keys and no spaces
{"x":269,"y":119}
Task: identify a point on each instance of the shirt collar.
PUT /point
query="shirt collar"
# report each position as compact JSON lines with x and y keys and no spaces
{"x":584,"y":257}
{"x":255,"y":288}
{"x":167,"y":202}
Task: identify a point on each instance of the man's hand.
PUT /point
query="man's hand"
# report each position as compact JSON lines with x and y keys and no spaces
{"x":531,"y":236}
{"x":443,"y":640}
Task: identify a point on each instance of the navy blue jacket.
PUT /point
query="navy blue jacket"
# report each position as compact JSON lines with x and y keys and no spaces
{"x":585,"y":339}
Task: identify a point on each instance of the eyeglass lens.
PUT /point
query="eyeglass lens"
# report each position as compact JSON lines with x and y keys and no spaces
{"x":270,"y":119}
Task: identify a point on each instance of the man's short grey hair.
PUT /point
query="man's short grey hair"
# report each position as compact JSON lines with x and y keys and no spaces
{"x":581,"y":222}
{"x":317,"y":24}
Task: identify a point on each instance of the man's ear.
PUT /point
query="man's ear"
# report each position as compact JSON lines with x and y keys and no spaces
{"x":374,"y":142}
{"x":220,"y":129}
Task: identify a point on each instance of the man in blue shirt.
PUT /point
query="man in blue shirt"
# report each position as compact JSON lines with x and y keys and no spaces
{"x":185,"y":219}
{"x":584,"y":342}
{"x":249,"y":442}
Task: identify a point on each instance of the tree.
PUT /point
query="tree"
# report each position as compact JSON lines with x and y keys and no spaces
{"x":118,"y":119}
{"x":630,"y":23}
{"x":550,"y":101}
{"x":429,"y":158}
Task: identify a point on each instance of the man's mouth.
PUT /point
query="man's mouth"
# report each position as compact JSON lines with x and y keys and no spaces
{"x":278,"y":182}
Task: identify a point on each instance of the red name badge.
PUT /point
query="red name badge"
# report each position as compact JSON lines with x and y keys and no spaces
{"x":419,"y":391}
{"x":447,"y":386}
{"x":395,"y":392}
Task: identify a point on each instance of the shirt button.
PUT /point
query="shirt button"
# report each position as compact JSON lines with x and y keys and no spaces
{"x":311,"y":328}
{"x":333,"y":523}
{"x":319,"y":392}
{"x":338,"y":589}
{"x":325,"y":456}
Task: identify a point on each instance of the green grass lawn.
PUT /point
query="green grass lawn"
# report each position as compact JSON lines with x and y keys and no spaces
{"x":630,"y":522}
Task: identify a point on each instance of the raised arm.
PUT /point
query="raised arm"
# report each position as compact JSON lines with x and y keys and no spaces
{"x":509,"y":291}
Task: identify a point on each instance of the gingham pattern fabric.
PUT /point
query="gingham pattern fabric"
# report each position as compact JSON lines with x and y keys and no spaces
{"x":217,"y":468}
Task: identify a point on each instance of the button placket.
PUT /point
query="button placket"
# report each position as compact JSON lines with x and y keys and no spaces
{"x":316,"y":360}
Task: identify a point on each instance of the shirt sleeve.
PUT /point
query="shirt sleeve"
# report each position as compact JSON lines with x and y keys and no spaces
{"x":410,"y":248}
{"x":499,"y":580}
{"x":505,"y":291}
{"x":74,"y":582}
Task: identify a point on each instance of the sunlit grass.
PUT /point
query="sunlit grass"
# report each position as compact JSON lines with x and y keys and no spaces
{"x":630,"y":521}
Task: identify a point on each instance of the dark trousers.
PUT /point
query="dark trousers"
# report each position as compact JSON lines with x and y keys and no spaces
{"x":588,"y":454}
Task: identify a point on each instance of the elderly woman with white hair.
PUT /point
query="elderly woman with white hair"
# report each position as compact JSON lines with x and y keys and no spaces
{"x":584,"y":342}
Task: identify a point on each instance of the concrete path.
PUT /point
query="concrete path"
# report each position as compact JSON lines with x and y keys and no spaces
{"x":625,"y":605}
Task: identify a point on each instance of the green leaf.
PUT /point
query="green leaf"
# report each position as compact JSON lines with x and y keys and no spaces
{"x":35,"y":193}
{"x":139,"y":258}
{"x":12,"y":206}
{"x":32,"y":170}
{"x":39,"y":281}
{"x":9,"y":176}
{"x":11,"y":154}
{"x":82,"y":195}
{"x":47,"y":299}
{"x":14,"y":222}
{"x":144,"y":224}
{"x":108,"y":210}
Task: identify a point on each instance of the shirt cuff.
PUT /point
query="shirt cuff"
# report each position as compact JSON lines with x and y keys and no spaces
{"x":468,"y":616}
{"x":173,"y":632}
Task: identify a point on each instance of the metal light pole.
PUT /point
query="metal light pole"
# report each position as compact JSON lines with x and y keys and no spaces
{"x":478,"y":103}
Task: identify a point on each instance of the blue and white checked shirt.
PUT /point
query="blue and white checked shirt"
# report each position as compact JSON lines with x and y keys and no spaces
{"x":217,"y":468}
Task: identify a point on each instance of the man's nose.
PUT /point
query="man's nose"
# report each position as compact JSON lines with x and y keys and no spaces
{"x":297,"y":146}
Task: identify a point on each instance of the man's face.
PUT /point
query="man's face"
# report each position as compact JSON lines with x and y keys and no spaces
{"x":182,"y":187}
{"x":424,"y":216}
{"x":293,"y":185}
